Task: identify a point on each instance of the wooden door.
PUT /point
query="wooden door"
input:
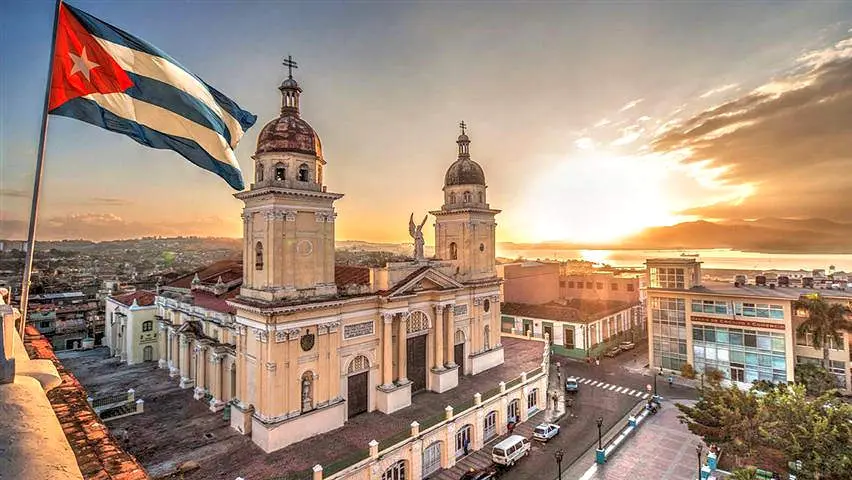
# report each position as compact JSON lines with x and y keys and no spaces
{"x":416,"y":362}
{"x":458,"y":356}
{"x":357,"y":394}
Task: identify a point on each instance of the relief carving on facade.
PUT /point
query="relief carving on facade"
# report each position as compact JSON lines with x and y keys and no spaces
{"x":280,"y":336}
{"x":261,"y":336}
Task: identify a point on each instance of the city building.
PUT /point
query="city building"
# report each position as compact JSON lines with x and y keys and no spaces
{"x":308,"y":344}
{"x":583,"y":329}
{"x":131,"y":332}
{"x":533,"y":283}
{"x":602,"y":285}
{"x":66,"y":318}
{"x":745,"y":330}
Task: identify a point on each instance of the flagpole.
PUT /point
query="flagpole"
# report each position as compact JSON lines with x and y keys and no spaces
{"x":39,"y":170}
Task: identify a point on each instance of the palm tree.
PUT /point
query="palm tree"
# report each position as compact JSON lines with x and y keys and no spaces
{"x":824,"y":322}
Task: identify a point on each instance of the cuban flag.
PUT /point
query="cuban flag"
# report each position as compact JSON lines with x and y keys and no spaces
{"x":105,"y":76}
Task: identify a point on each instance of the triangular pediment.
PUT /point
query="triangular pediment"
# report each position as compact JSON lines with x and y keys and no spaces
{"x":426,"y":279}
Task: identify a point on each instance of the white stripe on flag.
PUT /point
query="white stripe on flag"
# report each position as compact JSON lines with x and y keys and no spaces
{"x":159,"y":68}
{"x":167,"y":122}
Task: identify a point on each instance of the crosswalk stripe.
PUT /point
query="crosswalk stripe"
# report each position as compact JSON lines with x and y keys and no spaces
{"x":586,"y":380}
{"x":645,"y":396}
{"x":631,"y":392}
{"x":618,"y":390}
{"x":638,"y":394}
{"x":596,"y":384}
{"x":612,"y":387}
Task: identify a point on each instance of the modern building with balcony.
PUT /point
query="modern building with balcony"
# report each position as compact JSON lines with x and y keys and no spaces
{"x":746,"y":331}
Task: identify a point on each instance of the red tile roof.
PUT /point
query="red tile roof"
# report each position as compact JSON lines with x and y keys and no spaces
{"x":212,"y":302}
{"x":143,"y":298}
{"x":98,"y":453}
{"x":345,"y":275}
{"x":231,"y":268}
{"x":579,"y":312}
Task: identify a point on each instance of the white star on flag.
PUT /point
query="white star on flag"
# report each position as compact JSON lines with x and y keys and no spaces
{"x":82,"y":64}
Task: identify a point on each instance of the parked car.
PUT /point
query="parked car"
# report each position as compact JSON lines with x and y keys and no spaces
{"x":613,"y":351}
{"x":510,"y":450}
{"x":571,"y":384}
{"x":482,"y":474}
{"x":545,"y":431}
{"x":627,"y":345}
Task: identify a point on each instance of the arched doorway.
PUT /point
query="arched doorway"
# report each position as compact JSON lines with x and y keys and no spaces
{"x":395,"y":472}
{"x":513,"y":412}
{"x":357,"y":385}
{"x":431,"y":458}
{"x":416,"y":330}
{"x":463,"y":437}
{"x":532,"y":399}
{"x":490,"y":430}
{"x":148,"y":354}
{"x":458,"y":350}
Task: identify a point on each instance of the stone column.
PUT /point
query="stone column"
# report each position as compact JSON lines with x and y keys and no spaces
{"x":201,"y":384}
{"x":387,"y":361}
{"x":402,"y":343}
{"x":216,"y":383}
{"x":439,"y":337}
{"x":334,"y":345}
{"x":185,"y":380}
{"x":450,"y":333}
{"x":162,"y":346}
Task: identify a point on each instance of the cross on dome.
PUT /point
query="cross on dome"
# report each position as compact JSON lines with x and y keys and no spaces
{"x":290,"y":64}
{"x":463,"y":127}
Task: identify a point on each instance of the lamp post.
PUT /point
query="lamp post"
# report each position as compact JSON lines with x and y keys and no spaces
{"x":599,"y":421}
{"x":699,"y":450}
{"x":559,"y":454}
{"x":655,"y":385}
{"x":702,"y":380}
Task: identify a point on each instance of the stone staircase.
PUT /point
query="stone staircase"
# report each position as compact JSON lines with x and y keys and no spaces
{"x":481,"y":458}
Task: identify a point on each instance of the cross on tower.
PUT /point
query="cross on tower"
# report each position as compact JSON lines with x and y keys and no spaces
{"x":290,"y":64}
{"x":463,"y":126}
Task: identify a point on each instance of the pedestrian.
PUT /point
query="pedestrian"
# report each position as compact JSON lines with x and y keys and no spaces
{"x":558,"y":377}
{"x":555,"y":400}
{"x":671,"y":380}
{"x":598,"y":361}
{"x":466,"y":446}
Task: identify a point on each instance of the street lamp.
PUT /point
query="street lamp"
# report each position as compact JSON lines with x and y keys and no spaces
{"x":655,"y":385}
{"x":599,"y":421}
{"x":699,"y":450}
{"x":559,"y":454}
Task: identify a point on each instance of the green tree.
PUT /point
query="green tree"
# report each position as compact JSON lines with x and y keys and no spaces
{"x":748,"y":473}
{"x":824,"y":322}
{"x":816,"y":432}
{"x":687,"y":371}
{"x":727,"y":417}
{"x":714,"y":375}
{"x":816,"y":379}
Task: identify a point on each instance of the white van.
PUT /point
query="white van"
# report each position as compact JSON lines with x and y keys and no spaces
{"x":510,"y":450}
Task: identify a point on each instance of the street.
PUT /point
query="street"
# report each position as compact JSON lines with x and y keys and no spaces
{"x":611,"y":400}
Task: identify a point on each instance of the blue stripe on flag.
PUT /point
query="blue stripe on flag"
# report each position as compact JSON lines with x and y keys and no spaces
{"x":164,"y":95}
{"x":90,"y":112}
{"x":101,"y":29}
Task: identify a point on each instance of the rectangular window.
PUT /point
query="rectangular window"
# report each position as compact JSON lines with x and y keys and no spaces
{"x":614,"y":287}
{"x":589,"y":285}
{"x":669,"y":331}
{"x":741,"y":363}
{"x":599,"y":285}
{"x":672,"y":278}
{"x":562,"y":283}
{"x":580,"y":285}
{"x":629,"y":287}
{"x":571,"y":284}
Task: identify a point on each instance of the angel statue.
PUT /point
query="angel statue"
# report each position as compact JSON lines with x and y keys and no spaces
{"x":416,"y":233}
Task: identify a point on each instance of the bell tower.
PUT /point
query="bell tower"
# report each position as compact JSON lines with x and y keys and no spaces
{"x":288,"y":217}
{"x":465,"y":228}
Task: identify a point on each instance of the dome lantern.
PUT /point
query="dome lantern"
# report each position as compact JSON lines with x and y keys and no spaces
{"x":464,"y":171}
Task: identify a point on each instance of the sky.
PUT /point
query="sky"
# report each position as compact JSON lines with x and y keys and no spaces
{"x":592,"y":121}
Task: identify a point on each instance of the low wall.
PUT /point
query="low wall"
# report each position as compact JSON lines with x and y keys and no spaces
{"x":408,"y":447}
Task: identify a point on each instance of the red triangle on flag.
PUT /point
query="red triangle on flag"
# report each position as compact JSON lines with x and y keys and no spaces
{"x":81,"y":65}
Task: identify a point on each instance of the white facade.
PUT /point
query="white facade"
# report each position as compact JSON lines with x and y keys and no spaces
{"x":130,"y":331}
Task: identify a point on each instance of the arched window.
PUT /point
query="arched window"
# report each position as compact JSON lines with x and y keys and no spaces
{"x":147,"y":326}
{"x":148,"y":354}
{"x":303,"y":172}
{"x":490,"y":430}
{"x":466,"y":197}
{"x":458,"y":338}
{"x":258,"y":173}
{"x":258,"y":256}
{"x":513,"y":412}
{"x":454,"y":251}
{"x":486,"y":338}
{"x":452,"y":197}
{"x":532,"y":399}
{"x":280,"y":172}
{"x":463,"y":440}
{"x":481,"y":197}
{"x":358,"y":364}
{"x":395,"y":472}
{"x":307,"y":391}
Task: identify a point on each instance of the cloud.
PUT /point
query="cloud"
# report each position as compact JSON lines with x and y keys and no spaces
{"x":107,"y":226}
{"x":10,"y":192}
{"x":602,"y":123}
{"x":628,"y":136}
{"x":631,"y":104}
{"x":108,"y":201}
{"x":718,"y":90}
{"x":789,"y":140}
{"x":584,"y":143}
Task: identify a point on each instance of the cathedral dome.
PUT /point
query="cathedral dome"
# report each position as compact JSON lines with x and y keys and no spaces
{"x":289,"y":133}
{"x":464,"y":171}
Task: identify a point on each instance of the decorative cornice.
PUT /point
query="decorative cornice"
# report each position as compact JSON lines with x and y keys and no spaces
{"x":260,"y":192}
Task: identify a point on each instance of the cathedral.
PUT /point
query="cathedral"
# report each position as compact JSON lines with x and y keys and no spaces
{"x":296,"y":344}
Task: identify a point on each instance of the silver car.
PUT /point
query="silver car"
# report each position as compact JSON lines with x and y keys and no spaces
{"x":545,"y":431}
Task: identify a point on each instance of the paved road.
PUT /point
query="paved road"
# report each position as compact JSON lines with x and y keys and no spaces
{"x":607,"y":391}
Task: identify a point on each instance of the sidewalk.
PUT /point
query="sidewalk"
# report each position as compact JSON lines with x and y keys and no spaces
{"x":661,"y":449}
